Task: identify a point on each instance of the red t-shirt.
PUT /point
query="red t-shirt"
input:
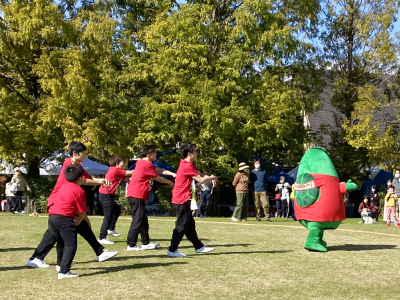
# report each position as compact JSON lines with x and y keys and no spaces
{"x":114,"y":175}
{"x":61,"y":180}
{"x":142,"y":180}
{"x":182,"y":189}
{"x":69,"y":200}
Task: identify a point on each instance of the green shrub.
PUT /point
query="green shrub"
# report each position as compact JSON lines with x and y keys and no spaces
{"x":122,"y":201}
{"x":41,"y":188}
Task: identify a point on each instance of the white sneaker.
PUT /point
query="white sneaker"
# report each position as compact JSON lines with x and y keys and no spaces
{"x":234,"y":219}
{"x":134,"y":248}
{"x":58,"y":267}
{"x":360,"y":222}
{"x":175,"y":254}
{"x":67,"y":275}
{"x":150,"y":246}
{"x":23,"y":212}
{"x":113,"y":233}
{"x":36,"y":263}
{"x":16,"y":212}
{"x":106,"y":255}
{"x":204,"y":249}
{"x":105,"y":241}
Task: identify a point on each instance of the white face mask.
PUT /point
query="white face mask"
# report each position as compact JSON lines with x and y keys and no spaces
{"x":245,"y":170}
{"x":281,"y":181}
{"x":397,"y":175}
{"x":373,"y":191}
{"x":257,"y":166}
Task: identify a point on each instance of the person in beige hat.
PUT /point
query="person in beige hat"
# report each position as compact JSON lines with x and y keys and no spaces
{"x":241,"y":183}
{"x":22,"y":186}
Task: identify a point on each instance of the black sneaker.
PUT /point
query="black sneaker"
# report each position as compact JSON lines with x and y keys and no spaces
{"x":258,"y":219}
{"x":267,"y":220}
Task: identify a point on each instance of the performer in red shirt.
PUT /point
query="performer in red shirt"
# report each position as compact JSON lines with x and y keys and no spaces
{"x":77,"y":152}
{"x":139,"y":193}
{"x":111,"y":209}
{"x":181,"y":195}
{"x":68,"y":211}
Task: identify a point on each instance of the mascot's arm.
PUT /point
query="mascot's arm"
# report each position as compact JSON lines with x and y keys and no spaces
{"x":348,"y":186}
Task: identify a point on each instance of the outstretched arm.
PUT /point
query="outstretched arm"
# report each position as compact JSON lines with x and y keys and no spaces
{"x":165,"y":172}
{"x":204,"y":179}
{"x":164,"y":180}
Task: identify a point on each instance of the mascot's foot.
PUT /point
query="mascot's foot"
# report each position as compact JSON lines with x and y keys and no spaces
{"x":315,"y":247}
{"x":323,"y":243}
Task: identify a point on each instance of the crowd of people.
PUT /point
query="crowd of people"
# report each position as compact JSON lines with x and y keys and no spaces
{"x":256,"y":183}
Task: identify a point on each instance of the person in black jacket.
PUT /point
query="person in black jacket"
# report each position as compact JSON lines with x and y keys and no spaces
{"x":374,"y":198}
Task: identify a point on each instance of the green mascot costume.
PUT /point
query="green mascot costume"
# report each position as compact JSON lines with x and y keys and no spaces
{"x":319,"y":196}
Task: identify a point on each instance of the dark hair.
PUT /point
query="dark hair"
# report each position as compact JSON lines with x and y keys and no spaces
{"x":77,"y":147}
{"x":115,"y":160}
{"x":73,"y":172}
{"x":390,"y":179}
{"x":365,"y":196}
{"x":185,"y":149}
{"x":257,"y":160}
{"x":373,"y":186}
{"x":146,"y":149}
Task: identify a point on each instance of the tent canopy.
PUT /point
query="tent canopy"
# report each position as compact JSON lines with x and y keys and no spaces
{"x":53,"y":167}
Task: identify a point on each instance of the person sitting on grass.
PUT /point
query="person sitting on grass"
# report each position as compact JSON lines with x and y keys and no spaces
{"x":390,"y":201}
{"x":65,"y":215}
{"x":366,"y":208}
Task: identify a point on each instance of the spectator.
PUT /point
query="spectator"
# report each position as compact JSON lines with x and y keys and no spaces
{"x":10,"y":196}
{"x":206,"y":190}
{"x":22,"y":187}
{"x":278,"y":196}
{"x":285,"y":200}
{"x":391,"y":201}
{"x":258,"y":180}
{"x":388,"y":185}
{"x":241,"y":183}
{"x":366,"y":208}
{"x":292,"y":199}
{"x":374,"y":198}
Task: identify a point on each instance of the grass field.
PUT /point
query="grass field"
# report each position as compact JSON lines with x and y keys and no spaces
{"x":251,"y":260}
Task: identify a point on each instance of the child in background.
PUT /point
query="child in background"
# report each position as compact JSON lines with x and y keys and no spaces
{"x":285,"y":200}
{"x":390,"y":201}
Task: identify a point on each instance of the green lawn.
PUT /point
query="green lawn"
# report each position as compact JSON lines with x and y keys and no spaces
{"x":251,"y":260}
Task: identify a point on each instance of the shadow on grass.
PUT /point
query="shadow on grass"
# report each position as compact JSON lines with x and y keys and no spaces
{"x":14,"y":268}
{"x":351,"y":247}
{"x":16,"y":249}
{"x":225,"y":245}
{"x":129,"y":267}
{"x":163,"y":254}
{"x":247,"y":252}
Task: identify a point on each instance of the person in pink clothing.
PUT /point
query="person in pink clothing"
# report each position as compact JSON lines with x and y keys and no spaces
{"x":390,"y":200}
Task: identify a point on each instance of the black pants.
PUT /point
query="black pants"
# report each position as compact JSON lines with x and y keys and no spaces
{"x":184,"y":225}
{"x":18,"y":201}
{"x":11,"y":203}
{"x":140,"y":223}
{"x":111,"y":211}
{"x":50,"y":238}
{"x":284,"y":208}
{"x":65,"y":229}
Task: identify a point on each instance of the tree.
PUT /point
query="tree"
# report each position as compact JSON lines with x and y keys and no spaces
{"x":361,"y":56}
{"x":229,"y":76}
{"x":61,"y":79}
